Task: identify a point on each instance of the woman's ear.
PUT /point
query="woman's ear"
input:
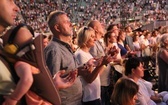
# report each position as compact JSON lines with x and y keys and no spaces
{"x":132,"y":70}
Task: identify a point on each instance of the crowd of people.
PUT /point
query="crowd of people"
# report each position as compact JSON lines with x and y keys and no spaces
{"x":106,"y":11}
{"x":80,"y":63}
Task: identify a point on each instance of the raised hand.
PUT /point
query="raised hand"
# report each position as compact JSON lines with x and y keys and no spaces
{"x":113,"y":51}
{"x":104,"y":60}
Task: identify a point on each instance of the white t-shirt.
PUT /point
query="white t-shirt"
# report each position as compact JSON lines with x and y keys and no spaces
{"x":137,"y":46}
{"x":145,"y":93}
{"x":91,"y":91}
{"x":146,"y":51}
{"x":118,"y":67}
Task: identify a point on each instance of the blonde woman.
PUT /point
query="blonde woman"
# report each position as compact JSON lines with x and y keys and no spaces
{"x":90,"y":79}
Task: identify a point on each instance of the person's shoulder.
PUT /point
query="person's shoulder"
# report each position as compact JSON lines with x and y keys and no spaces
{"x":23,"y":31}
{"x":52,"y":46}
{"x":78,"y":52}
{"x":96,"y":45}
{"x":141,"y":82}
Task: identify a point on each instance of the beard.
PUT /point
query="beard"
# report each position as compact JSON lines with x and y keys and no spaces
{"x":68,"y":33}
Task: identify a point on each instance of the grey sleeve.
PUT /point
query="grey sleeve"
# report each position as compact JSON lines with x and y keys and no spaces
{"x":93,"y":51}
{"x":53,"y":60}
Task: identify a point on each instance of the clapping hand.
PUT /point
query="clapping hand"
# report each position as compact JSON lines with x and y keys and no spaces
{"x":64,"y":82}
{"x":113,"y":51}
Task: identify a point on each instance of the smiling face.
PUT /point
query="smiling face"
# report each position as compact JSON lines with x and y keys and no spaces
{"x":8,"y":12}
{"x":91,"y":41}
{"x":112,"y":38}
{"x":86,"y":37}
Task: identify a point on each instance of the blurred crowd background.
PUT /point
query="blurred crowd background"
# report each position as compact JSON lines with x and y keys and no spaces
{"x":135,"y":13}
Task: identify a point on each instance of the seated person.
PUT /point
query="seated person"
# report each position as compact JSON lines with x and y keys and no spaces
{"x":124,"y":92}
{"x":135,"y":71}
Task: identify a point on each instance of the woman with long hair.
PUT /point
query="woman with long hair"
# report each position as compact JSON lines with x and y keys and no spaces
{"x":124,"y":92}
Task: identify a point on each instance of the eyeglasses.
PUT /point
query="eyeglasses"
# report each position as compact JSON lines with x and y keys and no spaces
{"x":84,"y":29}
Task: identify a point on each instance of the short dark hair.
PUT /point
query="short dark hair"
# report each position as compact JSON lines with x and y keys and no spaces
{"x":131,"y":63}
{"x":110,"y":27}
{"x":91,"y":23}
{"x":53,"y":17}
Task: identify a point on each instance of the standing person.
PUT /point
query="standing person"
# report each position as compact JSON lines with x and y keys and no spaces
{"x":90,"y":80}
{"x":98,"y":51}
{"x":59,"y":55}
{"x":125,"y":92}
{"x":145,"y":45}
{"x":128,"y":39}
{"x":120,"y":42}
{"x":8,"y":12}
{"x":146,"y":96}
{"x":154,"y":43}
{"x":110,"y":40}
{"x":163,"y":63}
{"x":137,"y":46}
{"x":10,"y":93}
{"x":24,"y":71}
{"x":113,"y":28}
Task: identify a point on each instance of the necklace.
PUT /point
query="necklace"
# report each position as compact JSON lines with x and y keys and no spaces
{"x":2,"y":33}
{"x":5,"y":30}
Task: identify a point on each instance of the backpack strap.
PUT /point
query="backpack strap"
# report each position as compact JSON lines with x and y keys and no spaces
{"x":43,"y":84}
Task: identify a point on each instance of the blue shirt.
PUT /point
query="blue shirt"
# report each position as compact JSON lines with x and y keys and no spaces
{"x":123,"y":50}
